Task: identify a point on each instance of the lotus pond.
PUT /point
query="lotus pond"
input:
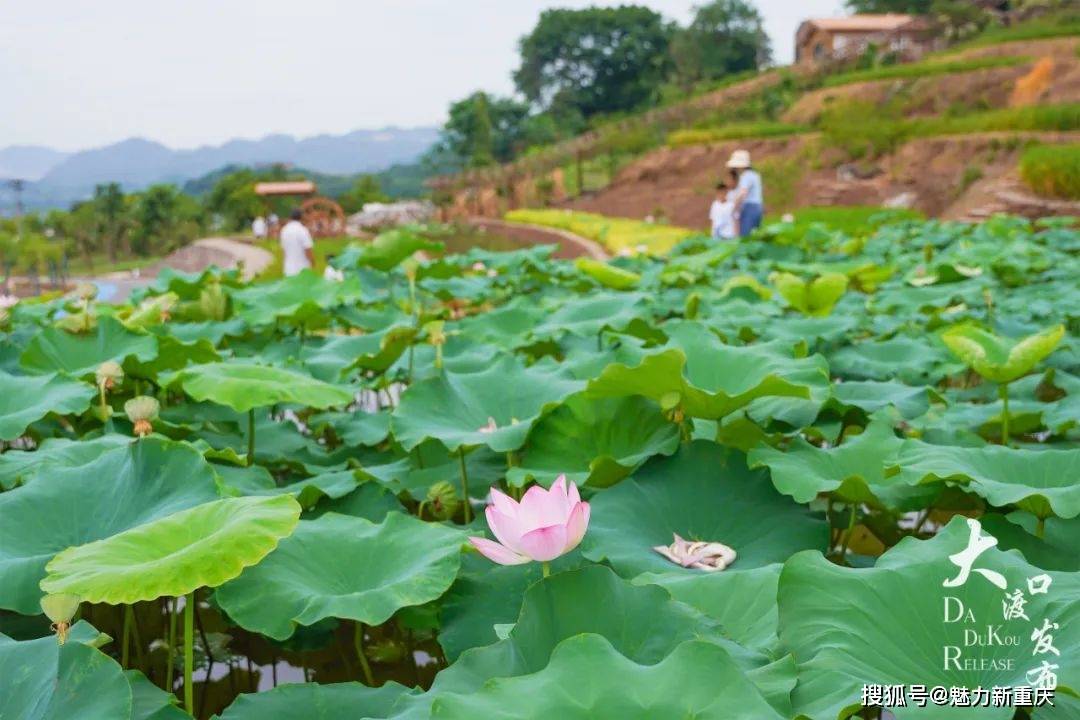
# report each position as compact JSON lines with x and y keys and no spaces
{"x":745,"y":481}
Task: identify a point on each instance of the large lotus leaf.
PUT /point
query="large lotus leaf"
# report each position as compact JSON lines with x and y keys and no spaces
{"x":698,"y":679}
{"x":212,"y":331}
{"x":356,"y":428}
{"x":456,"y":408}
{"x":910,"y":360}
{"x":861,"y":470}
{"x":815,"y":298}
{"x":485,"y":595}
{"x":386,"y":250}
{"x":24,"y":400}
{"x":813,"y":331}
{"x":703,"y":492}
{"x":53,"y":349}
{"x":313,"y":701}
{"x":706,"y":378}
{"x":256,"y":480}
{"x":587,"y":316}
{"x":1055,"y":550}
{"x":608,"y":275}
{"x":430,"y":463}
{"x":595,"y":442}
{"x":872,"y":395}
{"x":1043,"y":482}
{"x":243,"y":386}
{"x":298,"y":298}
{"x":744,"y":603}
{"x":344,"y":567}
{"x":688,"y":269}
{"x":331,"y":357}
{"x":149,"y":702}
{"x":886,"y":625}
{"x":43,"y":680}
{"x":1001,"y":360}
{"x":506,"y":327}
{"x":66,"y":506}
{"x":203,"y":546}
{"x":18,"y":467}
{"x":173,"y":354}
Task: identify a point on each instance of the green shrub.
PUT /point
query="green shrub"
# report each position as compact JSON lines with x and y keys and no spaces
{"x":615,"y":234}
{"x":736,"y":131}
{"x":922,"y":69}
{"x":1065,"y":24}
{"x":1052,"y":170}
{"x":853,"y":219}
{"x":1059,"y":118}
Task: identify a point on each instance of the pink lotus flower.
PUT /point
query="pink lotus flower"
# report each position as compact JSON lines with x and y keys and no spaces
{"x":543,"y":526}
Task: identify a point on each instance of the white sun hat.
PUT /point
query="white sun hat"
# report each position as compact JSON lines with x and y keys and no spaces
{"x":740,"y":159}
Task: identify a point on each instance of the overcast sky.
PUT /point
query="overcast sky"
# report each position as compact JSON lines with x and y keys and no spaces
{"x":77,"y":74}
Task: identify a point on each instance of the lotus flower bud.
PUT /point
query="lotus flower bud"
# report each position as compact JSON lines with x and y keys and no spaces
{"x":108,"y":374}
{"x":444,"y":500}
{"x":60,"y":609}
{"x":86,"y":291}
{"x":141,"y":411}
{"x":213,"y":302}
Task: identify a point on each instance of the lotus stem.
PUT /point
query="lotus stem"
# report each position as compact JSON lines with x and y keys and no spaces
{"x":251,"y":437}
{"x":848,"y":534}
{"x":410,"y":363}
{"x":358,"y":641}
{"x":465,"y":485}
{"x":189,"y":652}
{"x":125,"y":642}
{"x":1003,"y":391}
{"x":170,"y":607}
{"x":1040,"y":527}
{"x":546,"y":568}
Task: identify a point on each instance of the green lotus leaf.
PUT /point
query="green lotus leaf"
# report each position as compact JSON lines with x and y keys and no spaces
{"x":42,"y":680}
{"x":335,"y":355}
{"x":589,"y":315}
{"x":595,"y":442}
{"x":910,"y":360}
{"x":386,"y":251}
{"x":369,"y":501}
{"x":703,"y":492}
{"x":53,"y":349}
{"x":608,"y":275}
{"x":871,"y":396}
{"x":842,"y":624}
{"x":243,"y":386}
{"x":457,"y":409}
{"x":318,"y":702}
{"x":24,"y":400}
{"x":1043,"y":482}
{"x":814,"y":331}
{"x":345,"y":567}
{"x":860,"y":470}
{"x":706,"y":378}
{"x":998,"y":359}
{"x":359,"y":428}
{"x":709,"y":681}
{"x":18,"y":467}
{"x":173,"y":354}
{"x":256,"y":480}
{"x":299,"y":298}
{"x":65,"y":506}
{"x":744,"y":603}
{"x":149,"y":702}
{"x":507,"y":327}
{"x":485,"y":595}
{"x":691,"y":268}
{"x":815,"y":298}
{"x":1055,"y":550}
{"x":203,"y":546}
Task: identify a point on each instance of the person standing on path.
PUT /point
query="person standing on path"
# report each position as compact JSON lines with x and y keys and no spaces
{"x":258,"y":228}
{"x":296,"y":246}
{"x":749,"y":198}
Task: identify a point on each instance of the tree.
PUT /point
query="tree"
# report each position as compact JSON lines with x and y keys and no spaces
{"x":482,"y":129}
{"x":110,"y":207}
{"x":366,"y":189}
{"x":725,"y":37}
{"x":910,"y":7}
{"x":595,"y":60}
{"x":165,"y":219}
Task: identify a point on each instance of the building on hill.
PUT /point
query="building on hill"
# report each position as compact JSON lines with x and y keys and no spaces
{"x":830,"y":40}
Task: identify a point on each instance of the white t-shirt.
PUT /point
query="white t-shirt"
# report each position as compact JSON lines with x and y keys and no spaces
{"x":258,"y":227}
{"x":722,"y":215}
{"x":295,"y":239}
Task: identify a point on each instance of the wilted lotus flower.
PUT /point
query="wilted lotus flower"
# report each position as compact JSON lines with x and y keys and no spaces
{"x":707,"y":556}
{"x":108,"y":374}
{"x":86,"y":291}
{"x":60,"y":608}
{"x":543,"y":526}
{"x":141,"y":411}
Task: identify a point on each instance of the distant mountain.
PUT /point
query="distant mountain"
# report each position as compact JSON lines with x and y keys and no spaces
{"x":136,"y":163}
{"x":28,"y":162}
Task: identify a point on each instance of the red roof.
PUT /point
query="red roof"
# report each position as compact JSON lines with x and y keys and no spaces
{"x":862,"y":23}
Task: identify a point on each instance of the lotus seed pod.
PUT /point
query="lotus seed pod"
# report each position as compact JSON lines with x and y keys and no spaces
{"x":141,"y":411}
{"x":109,"y":373}
{"x":436,"y":332}
{"x":60,"y":609}
{"x":444,"y":500}
{"x":213,"y":302}
{"x":86,"y":291}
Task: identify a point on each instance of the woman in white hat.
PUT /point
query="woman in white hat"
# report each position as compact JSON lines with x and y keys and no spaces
{"x":749,"y":199}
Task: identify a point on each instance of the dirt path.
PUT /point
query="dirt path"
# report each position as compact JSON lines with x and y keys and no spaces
{"x":223,"y":252}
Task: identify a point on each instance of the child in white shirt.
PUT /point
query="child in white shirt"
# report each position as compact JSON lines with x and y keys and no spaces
{"x":722,"y":214}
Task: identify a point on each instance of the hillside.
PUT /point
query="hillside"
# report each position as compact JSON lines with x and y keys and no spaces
{"x":943,"y":136}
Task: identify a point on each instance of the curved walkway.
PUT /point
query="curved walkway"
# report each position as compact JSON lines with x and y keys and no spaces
{"x":224,"y":252}
{"x":570,"y":245}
